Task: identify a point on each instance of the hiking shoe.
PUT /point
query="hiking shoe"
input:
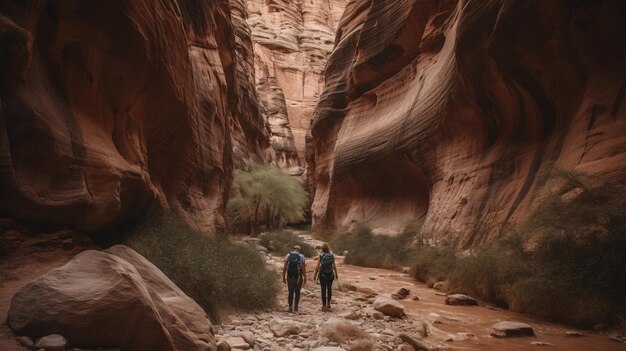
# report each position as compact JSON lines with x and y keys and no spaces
{"x":323,"y":308}
{"x":290,"y":309}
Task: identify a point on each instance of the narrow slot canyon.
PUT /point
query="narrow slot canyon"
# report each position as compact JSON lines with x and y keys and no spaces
{"x":463,"y":160}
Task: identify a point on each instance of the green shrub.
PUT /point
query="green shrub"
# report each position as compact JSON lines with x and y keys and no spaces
{"x":218,"y":274}
{"x":430,"y":264}
{"x":564,"y":263}
{"x":264,"y":196}
{"x":382,"y":251}
{"x":281,"y":243}
{"x":369,"y":250}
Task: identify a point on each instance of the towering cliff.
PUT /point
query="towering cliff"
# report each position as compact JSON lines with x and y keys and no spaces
{"x":292,"y":41}
{"x":447,"y":110}
{"x":107,"y":108}
{"x":251,"y":134}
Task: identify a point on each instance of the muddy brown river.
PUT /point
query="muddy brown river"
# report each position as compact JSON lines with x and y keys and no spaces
{"x":475,"y":320}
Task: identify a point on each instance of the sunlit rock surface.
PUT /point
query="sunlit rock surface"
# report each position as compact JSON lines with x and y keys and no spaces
{"x":109,"y":108}
{"x":448,"y":110}
{"x":292,"y":41}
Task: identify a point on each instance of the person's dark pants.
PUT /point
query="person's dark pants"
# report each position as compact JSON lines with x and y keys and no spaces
{"x":326,"y":281}
{"x":294,"y":285}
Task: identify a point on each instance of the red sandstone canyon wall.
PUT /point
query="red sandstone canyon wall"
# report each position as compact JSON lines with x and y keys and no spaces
{"x":292,"y":41}
{"x":107,"y":108}
{"x":447,"y":110}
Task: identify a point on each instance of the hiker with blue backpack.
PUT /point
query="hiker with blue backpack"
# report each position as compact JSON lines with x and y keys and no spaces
{"x":294,"y":275}
{"x":326,"y":272}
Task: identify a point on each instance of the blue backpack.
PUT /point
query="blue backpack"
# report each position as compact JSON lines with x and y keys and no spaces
{"x":294,"y":265}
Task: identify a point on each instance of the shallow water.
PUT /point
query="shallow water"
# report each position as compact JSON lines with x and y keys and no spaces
{"x":475,"y":320}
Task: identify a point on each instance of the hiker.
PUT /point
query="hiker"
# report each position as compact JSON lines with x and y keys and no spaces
{"x":294,"y":275}
{"x":327,"y":273}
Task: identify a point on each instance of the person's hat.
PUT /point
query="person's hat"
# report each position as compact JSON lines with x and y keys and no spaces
{"x":297,"y":247}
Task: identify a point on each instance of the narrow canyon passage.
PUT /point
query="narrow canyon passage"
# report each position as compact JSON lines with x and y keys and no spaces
{"x":148,"y":147}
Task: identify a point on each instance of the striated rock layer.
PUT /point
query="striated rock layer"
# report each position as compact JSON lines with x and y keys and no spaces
{"x":107,"y":108}
{"x":292,"y":41}
{"x":447,"y":110}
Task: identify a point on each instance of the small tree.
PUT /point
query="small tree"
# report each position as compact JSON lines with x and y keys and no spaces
{"x":265,"y":196}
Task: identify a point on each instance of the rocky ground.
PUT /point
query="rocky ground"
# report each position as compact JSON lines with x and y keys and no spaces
{"x":373,"y":309}
{"x":433,"y":320}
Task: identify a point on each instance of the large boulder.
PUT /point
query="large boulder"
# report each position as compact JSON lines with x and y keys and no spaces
{"x":111,"y":298}
{"x":389,"y":307}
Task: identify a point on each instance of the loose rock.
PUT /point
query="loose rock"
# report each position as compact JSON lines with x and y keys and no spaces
{"x":237,"y":343}
{"x":460,"y":300}
{"x":53,"y":342}
{"x":247,"y":336}
{"x":401,"y":293}
{"x":439,"y":286}
{"x":282,"y":328}
{"x":414,"y":341}
{"x":574,"y":334}
{"x":26,"y":341}
{"x":223,"y":346}
{"x":389,"y":307}
{"x":541,"y":343}
{"x":511,"y":329}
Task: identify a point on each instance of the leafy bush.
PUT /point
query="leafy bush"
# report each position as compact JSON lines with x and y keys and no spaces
{"x":369,"y":250}
{"x":430,"y":264}
{"x":281,"y":242}
{"x":215,"y":272}
{"x":264,"y":196}
{"x":564,"y":263}
{"x":383,"y":251}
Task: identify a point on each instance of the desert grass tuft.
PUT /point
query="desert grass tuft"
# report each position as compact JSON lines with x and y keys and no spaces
{"x":344,"y":333}
{"x":218,"y":274}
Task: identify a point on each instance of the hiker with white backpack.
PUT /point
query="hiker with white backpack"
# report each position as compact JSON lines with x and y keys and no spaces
{"x":326,"y":272}
{"x":294,"y":275}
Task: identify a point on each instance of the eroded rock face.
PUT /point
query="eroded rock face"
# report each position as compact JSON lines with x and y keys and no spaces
{"x":251,"y":133}
{"x":112,"y":298}
{"x":292,"y":41}
{"x":108,"y":108}
{"x":449,"y":109}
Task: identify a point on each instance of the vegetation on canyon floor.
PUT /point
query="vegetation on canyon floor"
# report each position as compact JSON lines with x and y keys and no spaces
{"x":564,"y":263}
{"x":281,"y":242}
{"x":351,"y":335}
{"x":264,"y":197}
{"x":217,"y":273}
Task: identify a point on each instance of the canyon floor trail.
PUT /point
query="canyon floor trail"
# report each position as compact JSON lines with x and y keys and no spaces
{"x":466,"y":326}
{"x":450,"y":327}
